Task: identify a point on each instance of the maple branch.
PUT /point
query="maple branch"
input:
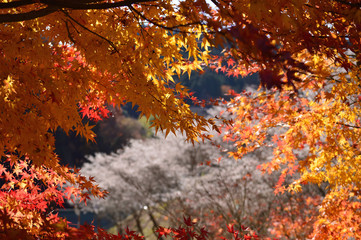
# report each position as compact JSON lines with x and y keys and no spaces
{"x":7,"y":18}
{"x":162,"y":26}
{"x":55,"y":5}
{"x":351,"y":4}
{"x":68,"y":30}
{"x":96,"y":34}
{"x":347,"y":125}
{"x":92,"y":4}
{"x":141,"y":27}
{"x":15,"y":4}
{"x":89,"y":5}
{"x":216,"y":3}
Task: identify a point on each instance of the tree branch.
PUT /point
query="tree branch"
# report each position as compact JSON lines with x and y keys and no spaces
{"x":351,"y":4}
{"x":15,"y":4}
{"x":54,"y":5}
{"x":162,"y":26}
{"x":89,"y":5}
{"x":7,"y":18}
{"x":96,"y":34}
{"x":348,"y":125}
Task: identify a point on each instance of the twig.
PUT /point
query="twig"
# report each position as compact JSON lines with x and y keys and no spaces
{"x":96,"y":34}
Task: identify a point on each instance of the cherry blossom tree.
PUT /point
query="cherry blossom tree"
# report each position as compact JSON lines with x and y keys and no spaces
{"x":167,"y":178}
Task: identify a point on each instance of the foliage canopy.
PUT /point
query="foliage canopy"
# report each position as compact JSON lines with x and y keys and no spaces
{"x":60,"y":57}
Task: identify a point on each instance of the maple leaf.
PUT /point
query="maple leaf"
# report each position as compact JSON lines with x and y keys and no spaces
{"x":69,"y":191}
{"x":163,"y":231}
{"x":2,"y":169}
{"x":230,"y":62}
{"x":93,"y":56}
{"x":188,"y":221}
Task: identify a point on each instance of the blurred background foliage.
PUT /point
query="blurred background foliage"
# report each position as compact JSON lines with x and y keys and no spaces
{"x":124,"y":124}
